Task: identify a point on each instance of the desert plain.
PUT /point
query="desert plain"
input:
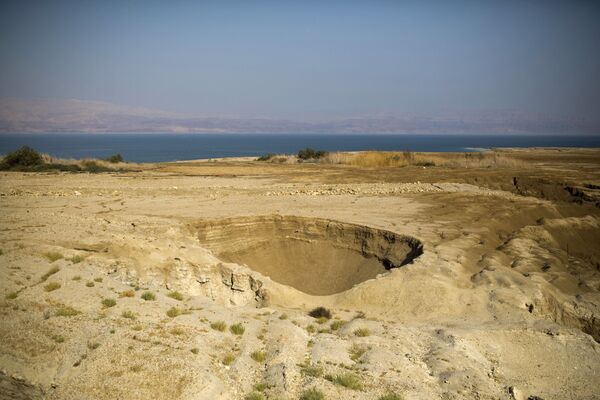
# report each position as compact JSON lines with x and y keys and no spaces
{"x":194,"y":280}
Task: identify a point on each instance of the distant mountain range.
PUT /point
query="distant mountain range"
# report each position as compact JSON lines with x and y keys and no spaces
{"x":55,"y":115}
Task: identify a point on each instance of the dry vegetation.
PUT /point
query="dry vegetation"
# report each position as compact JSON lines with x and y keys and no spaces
{"x":374,"y":159}
{"x":377,"y":159}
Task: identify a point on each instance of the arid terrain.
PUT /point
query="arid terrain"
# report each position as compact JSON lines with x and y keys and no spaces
{"x":194,"y":280}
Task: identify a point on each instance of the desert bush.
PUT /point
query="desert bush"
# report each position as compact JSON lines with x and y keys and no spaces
{"x":48,"y":274}
{"x":362,"y":332}
{"x":66,"y":311}
{"x":115,"y":158}
{"x":195,"y":350}
{"x":314,"y":371}
{"x":390,"y":396}
{"x":356,"y":351}
{"x":89,"y":284}
{"x":93,"y":345}
{"x":76,"y":278}
{"x":12,"y":295}
{"x":53,"y":256}
{"x":58,"y":338}
{"x":337,"y":324}
{"x":283,"y":316}
{"x":51,"y":286}
{"x":320,"y":312}
{"x":312,"y":394}
{"x":266,"y":157}
{"x":258,"y":356}
{"x":22,"y":157}
{"x":219,"y":326}
{"x":255,"y":396}
{"x":174,"y":312}
{"x":98,"y":280}
{"x":348,"y":380}
{"x":237,"y":329}
{"x":175,"y":295}
{"x":76,"y":259}
{"x":261,"y":386}
{"x":177,"y":331}
{"x":228,"y":359}
{"x":148,"y":296}
{"x":311,"y":329}
{"x":128,"y":314}
{"x":107,"y":303}
{"x":127,"y":293}
{"x":311,"y":154}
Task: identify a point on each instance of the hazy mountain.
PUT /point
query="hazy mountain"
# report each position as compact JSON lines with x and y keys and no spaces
{"x":55,"y":115}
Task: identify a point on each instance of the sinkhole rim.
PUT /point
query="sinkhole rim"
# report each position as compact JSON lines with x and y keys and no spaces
{"x":316,"y":256}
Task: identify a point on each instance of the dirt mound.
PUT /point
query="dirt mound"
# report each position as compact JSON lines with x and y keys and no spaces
{"x":315,"y":256}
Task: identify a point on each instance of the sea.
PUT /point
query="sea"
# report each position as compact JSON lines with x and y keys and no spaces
{"x":161,"y":147}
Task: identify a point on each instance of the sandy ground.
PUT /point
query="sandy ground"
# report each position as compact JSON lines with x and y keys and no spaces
{"x":503,"y":302}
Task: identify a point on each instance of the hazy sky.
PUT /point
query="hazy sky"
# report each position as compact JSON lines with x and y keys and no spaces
{"x":307,"y":59}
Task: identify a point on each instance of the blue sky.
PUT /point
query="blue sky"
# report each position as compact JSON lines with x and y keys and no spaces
{"x":305,"y":59}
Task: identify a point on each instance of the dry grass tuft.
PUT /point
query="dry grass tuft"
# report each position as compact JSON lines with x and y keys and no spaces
{"x":175,"y":295}
{"x":127,"y":293}
{"x":53,"y":256}
{"x":51,"y":286}
{"x":48,"y":274}
{"x":66,"y":311}
{"x":219,"y":326}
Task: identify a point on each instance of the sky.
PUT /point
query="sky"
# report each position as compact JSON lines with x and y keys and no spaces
{"x":307,"y":59}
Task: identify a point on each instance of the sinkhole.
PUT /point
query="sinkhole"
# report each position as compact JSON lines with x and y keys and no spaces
{"x":315,"y":256}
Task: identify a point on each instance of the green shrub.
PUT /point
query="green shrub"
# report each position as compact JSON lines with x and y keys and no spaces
{"x":51,"y":286}
{"x":311,"y":329}
{"x":128,"y":314}
{"x":320,"y":312}
{"x":219,"y":326}
{"x":99,"y":280}
{"x":115,"y":158}
{"x":312,"y":394}
{"x":258,"y":356}
{"x":23,"y":157}
{"x":175,"y":295}
{"x":237,"y":329}
{"x":89,"y":284}
{"x":107,"y":303}
{"x":308,"y":154}
{"x":148,"y":296}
